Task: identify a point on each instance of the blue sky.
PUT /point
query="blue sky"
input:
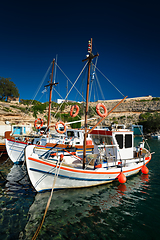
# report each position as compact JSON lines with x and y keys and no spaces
{"x":126,"y":34}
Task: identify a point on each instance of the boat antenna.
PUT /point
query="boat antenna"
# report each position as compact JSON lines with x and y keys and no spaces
{"x":51,"y":83}
{"x":89,"y":58}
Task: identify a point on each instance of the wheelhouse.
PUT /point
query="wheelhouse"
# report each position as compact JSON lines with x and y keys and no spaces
{"x":117,"y":143}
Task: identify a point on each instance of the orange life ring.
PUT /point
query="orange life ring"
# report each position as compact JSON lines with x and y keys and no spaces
{"x":38,"y":126}
{"x":71,"y":111}
{"x":56,"y":127}
{"x":98,"y":110}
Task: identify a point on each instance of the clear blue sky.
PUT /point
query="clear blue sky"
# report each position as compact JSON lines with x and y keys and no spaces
{"x":126,"y":34}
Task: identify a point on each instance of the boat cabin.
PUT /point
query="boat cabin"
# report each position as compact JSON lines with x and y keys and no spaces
{"x":115,"y":143}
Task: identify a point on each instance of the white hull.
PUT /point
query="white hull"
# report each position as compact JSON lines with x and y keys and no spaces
{"x":15,"y":150}
{"x":42,"y":173}
{"x":155,"y":137}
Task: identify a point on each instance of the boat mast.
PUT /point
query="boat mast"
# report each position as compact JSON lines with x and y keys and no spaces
{"x":51,"y":83}
{"x":89,"y":58}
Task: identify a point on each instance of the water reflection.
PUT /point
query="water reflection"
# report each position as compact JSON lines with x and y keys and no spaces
{"x":91,"y":205}
{"x":110,"y":211}
{"x":16,"y":197}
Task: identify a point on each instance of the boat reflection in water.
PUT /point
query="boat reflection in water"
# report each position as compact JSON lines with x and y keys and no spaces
{"x":71,"y":210}
{"x":18,"y":182}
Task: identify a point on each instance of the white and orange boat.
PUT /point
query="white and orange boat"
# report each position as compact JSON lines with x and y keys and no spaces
{"x":114,"y":156}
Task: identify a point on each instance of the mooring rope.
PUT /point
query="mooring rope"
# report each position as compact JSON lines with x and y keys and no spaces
{"x":49,"y":200}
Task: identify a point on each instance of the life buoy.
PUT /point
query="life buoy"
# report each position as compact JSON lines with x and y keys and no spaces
{"x":77,"y":111}
{"x":37,"y":126}
{"x":57,"y":129}
{"x":98,"y":110}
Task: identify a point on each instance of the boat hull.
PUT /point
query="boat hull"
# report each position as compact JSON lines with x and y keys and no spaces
{"x":15,"y":150}
{"x":42,"y":174}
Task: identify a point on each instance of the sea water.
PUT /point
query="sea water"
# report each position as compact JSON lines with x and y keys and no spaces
{"x":112,"y":211}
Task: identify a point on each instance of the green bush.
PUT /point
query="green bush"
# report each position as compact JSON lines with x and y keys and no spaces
{"x":39,"y":108}
{"x":156,"y":99}
{"x":150,"y":122}
{"x":6,"y":109}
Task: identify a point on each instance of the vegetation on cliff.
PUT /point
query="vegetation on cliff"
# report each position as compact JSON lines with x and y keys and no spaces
{"x":128,"y":114}
{"x":150,"y":122}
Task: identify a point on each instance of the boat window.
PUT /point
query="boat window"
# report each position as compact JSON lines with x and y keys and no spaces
{"x":128,"y":140}
{"x":97,"y":139}
{"x":70,"y":133}
{"x":119,"y":138}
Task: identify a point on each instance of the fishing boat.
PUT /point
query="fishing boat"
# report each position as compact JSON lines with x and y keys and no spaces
{"x":72,"y":137}
{"x":114,"y":156}
{"x":155,"y":136}
{"x":46,"y":140}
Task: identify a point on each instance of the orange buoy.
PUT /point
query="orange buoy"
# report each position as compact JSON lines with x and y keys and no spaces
{"x":77,"y":111}
{"x":121,"y":178}
{"x":98,"y":110}
{"x":144,"y":169}
{"x":40,"y":125}
{"x":57,"y":129}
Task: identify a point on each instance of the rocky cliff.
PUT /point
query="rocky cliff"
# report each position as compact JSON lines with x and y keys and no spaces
{"x":127,"y":112}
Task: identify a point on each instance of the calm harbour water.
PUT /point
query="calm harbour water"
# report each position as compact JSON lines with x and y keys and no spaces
{"x":113,"y":211}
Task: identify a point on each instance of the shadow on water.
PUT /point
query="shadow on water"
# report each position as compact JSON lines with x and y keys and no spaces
{"x":113,"y":211}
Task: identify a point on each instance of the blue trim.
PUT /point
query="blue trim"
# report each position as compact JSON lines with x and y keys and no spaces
{"x":10,"y":149}
{"x":81,"y":179}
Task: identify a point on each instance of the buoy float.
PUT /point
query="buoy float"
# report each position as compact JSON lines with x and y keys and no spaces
{"x":38,"y":126}
{"x":57,"y":129}
{"x":122,"y":178}
{"x":98,"y":110}
{"x":77,"y":111}
{"x":144,"y":169}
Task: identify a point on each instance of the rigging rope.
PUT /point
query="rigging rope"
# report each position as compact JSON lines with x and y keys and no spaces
{"x":57,"y":93}
{"x":42,"y":81}
{"x":93,"y":77}
{"x":73,"y":85}
{"x":110,"y":82}
{"x":70,"y":80}
{"x":99,"y":86}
